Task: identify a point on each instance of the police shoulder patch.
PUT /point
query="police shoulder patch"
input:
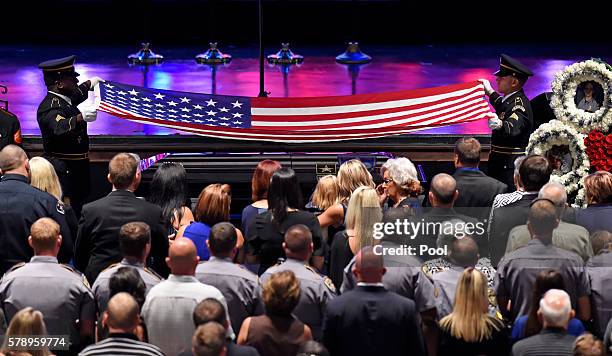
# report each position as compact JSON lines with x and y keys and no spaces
{"x":329,"y":284}
{"x":75,"y":271}
{"x":436,"y":292}
{"x":60,"y":208}
{"x":311,"y":269}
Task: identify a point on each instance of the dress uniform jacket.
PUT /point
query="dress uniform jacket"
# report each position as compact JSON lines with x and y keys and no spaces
{"x":101,"y":289}
{"x":239,"y":286}
{"x":10,"y":130}
{"x":404,"y":277}
{"x":599,"y":270}
{"x":317,"y":292}
{"x":20,"y":206}
{"x":518,"y":270}
{"x":509,"y":141}
{"x":58,"y":291}
{"x":97,"y":243}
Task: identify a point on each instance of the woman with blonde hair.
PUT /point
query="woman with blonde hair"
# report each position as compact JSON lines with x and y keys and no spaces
{"x":469,"y":329}
{"x":27,"y":322}
{"x":351,"y":175}
{"x":598,"y":189}
{"x":44,"y":177}
{"x":363,"y":212}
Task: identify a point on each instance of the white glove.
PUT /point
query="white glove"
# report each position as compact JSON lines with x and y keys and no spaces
{"x":487,"y":86}
{"x":89,"y":115}
{"x":495,"y":123}
{"x":95,"y":81}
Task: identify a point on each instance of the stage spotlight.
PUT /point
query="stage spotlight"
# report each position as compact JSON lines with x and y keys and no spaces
{"x":285,"y":56}
{"x":145,"y":56}
{"x":353,"y":55}
{"x":213,"y":56}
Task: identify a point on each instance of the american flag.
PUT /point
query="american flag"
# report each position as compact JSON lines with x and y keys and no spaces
{"x":294,"y":120}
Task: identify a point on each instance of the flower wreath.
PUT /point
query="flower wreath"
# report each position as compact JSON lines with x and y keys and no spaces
{"x":564,"y":88}
{"x":557,"y":133}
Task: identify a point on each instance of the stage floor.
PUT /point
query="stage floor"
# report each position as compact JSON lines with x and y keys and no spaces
{"x":392,"y":69}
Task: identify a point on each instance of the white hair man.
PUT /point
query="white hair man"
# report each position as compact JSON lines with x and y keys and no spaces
{"x":554,"y":313}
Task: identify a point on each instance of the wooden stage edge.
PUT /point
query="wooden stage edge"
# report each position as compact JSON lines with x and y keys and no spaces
{"x":418,"y":147}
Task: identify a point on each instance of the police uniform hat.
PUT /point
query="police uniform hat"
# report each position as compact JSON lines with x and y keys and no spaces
{"x":56,"y":69}
{"x":510,"y":66}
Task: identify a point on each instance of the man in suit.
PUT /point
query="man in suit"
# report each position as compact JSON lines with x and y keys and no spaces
{"x":476,"y":190}
{"x":514,"y":125}
{"x":534,"y":172}
{"x":370,"y":320}
{"x":97,"y":244}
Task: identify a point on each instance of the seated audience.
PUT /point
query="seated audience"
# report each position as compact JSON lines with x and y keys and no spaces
{"x":97,"y":244}
{"x":209,"y":340}
{"x":555,"y":311}
{"x":21,"y":205}
{"x":351,"y":175}
{"x":277,"y":332}
{"x":570,"y":237}
{"x":171,"y":303}
{"x":476,"y":189}
{"x":135,"y":244}
{"x":598,"y":191}
{"x":517,"y":271}
{"x":259,"y":192}
{"x":529,"y":325}
{"x":213,"y":207}
{"x":26,"y":322}
{"x":370,"y":320}
{"x":316,"y":290}
{"x":469,"y":329}
{"x":44,"y":177}
{"x":588,"y":345}
{"x":121,"y":318}
{"x":312,"y":348}
{"x":363,"y":212}
{"x":534,"y":172}
{"x":169,"y":191}
{"x":599,"y":271}
{"x":239,"y":286}
{"x":401,"y":186}
{"x":210,"y":310}
{"x":266,"y":233}
{"x":57,"y":290}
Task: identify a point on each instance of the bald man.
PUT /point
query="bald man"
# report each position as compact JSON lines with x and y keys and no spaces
{"x":20,"y":206}
{"x":169,"y":306}
{"x":370,"y":320}
{"x":121,"y":318}
{"x":317,"y":290}
{"x":555,"y":312}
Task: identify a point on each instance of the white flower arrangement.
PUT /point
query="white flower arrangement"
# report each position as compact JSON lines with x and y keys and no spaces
{"x":564,"y":88}
{"x":557,"y":133}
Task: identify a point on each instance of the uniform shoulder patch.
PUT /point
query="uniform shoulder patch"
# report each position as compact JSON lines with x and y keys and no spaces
{"x":153,"y":273}
{"x":111,"y":266}
{"x":329,"y":284}
{"x":514,"y":116}
{"x":75,"y":271}
{"x":425,"y":269}
{"x":311,"y":269}
{"x":60,"y":208}
{"x":518,"y":101}
{"x":59,"y":118}
{"x":17,"y":266}
{"x":518,"y":107}
{"x":55,"y":102}
{"x":436,"y":292}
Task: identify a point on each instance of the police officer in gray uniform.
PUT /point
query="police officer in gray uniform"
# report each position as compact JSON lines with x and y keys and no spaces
{"x":239,"y":286}
{"x":58,"y":291}
{"x":599,"y":270}
{"x":317,"y":290}
{"x":135,"y":244}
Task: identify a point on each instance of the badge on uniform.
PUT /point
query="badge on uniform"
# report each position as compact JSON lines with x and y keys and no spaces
{"x":60,"y":208}
{"x":329,"y":284}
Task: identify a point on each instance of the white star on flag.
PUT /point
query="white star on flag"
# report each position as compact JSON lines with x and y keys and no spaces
{"x":237,"y":104}
{"x":109,"y":86}
{"x":185,"y":110}
{"x":224,"y":109}
{"x":211,"y":103}
{"x":159,"y":96}
{"x":237,"y":115}
{"x":121,"y":92}
{"x":172,"y":103}
{"x":185,"y":100}
{"x":146,"y":99}
{"x":133,"y":92}
{"x":197,"y":107}
{"x":211,"y":113}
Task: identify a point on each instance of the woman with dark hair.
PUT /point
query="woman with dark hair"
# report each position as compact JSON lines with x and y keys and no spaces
{"x":259,"y":191}
{"x":213,"y":207}
{"x":266,"y":232}
{"x":169,"y":191}
{"x":529,"y":325}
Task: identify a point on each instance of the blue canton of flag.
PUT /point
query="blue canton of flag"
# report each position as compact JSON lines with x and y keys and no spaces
{"x":185,"y":108}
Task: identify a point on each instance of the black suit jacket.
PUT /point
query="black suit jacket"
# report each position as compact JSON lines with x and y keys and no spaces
{"x":97,"y":244}
{"x":372,"y":321}
{"x":476,"y":190}
{"x":232,"y":350}
{"x":504,"y":219}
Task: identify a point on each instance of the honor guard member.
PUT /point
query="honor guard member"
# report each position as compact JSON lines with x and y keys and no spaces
{"x":239,"y":286}
{"x":64,"y":127}
{"x":135,"y":244}
{"x":317,"y":290}
{"x":10,"y":130}
{"x":514,"y":125}
{"x":60,"y":292}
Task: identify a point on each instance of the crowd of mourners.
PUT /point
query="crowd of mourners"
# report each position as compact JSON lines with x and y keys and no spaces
{"x":157,"y":275}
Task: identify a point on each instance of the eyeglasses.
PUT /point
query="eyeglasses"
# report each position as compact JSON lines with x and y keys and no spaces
{"x":387,"y":181}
